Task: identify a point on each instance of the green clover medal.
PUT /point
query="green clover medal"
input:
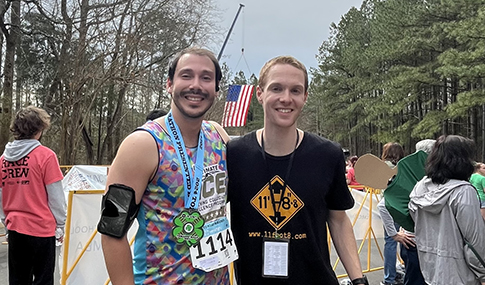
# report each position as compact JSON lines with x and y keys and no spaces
{"x":188,"y":227}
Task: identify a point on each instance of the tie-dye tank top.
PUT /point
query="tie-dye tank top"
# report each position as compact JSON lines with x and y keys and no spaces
{"x":158,"y":259}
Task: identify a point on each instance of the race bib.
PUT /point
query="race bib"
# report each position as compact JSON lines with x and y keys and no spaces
{"x":216,"y":249}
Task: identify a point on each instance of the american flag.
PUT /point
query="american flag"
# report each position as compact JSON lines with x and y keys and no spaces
{"x":237,"y":105}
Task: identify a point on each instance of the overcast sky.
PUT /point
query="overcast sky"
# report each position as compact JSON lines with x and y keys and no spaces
{"x":268,"y":28}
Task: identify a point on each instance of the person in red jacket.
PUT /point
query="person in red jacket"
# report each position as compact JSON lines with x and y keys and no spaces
{"x":33,"y":207}
{"x":350,"y":175}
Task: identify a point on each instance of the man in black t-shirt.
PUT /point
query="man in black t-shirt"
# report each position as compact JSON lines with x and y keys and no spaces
{"x":285,"y":186}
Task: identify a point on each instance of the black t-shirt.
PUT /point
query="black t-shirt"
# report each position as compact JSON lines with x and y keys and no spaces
{"x":316,"y":185}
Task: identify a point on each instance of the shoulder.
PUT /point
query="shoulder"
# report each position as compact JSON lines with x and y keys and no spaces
{"x":135,"y":162}
{"x":137,"y":148}
{"x":44,"y":150}
{"x":220,"y":130}
{"x":138,"y":141}
{"x":243,"y":141}
{"x":44,"y":153}
{"x":322,"y":141}
{"x":462,"y":190}
{"x":322,"y":145}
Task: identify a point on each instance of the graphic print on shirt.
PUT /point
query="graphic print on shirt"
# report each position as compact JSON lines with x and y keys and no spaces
{"x":157,"y":258}
{"x":285,"y":206}
{"x":16,"y":170}
{"x":213,"y":196}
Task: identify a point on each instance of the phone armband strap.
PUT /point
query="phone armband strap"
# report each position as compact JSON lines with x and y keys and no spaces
{"x":118,"y":210}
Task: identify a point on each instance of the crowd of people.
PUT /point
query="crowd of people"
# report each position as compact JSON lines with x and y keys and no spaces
{"x":176,"y":173}
{"x":447,"y":243}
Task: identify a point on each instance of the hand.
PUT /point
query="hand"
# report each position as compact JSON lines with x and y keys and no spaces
{"x":59,"y":235}
{"x":404,"y":239}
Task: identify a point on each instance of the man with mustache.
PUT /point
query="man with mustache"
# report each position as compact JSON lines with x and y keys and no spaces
{"x":171,"y":174}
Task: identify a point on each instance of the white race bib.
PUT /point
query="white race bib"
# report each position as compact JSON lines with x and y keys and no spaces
{"x":214,"y":251}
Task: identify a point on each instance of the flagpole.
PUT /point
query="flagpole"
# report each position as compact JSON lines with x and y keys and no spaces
{"x":229,"y":33}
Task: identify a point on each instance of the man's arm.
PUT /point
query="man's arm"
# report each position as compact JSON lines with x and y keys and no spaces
{"x":134,"y":165}
{"x":57,"y":205}
{"x":388,"y":221}
{"x":471,"y":225}
{"x":344,"y":241}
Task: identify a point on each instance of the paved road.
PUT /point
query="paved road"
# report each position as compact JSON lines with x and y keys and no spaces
{"x":3,"y":257}
{"x":374,"y":277}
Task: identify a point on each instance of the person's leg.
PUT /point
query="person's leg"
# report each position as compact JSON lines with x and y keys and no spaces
{"x":19,"y":259}
{"x":413,"y":274}
{"x":390,"y":248}
{"x":404,"y":256}
{"x":44,"y":260}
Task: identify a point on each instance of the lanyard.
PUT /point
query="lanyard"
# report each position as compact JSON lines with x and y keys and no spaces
{"x":192,"y":191}
{"x":271,"y":193}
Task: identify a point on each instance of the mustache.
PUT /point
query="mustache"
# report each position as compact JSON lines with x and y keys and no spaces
{"x":194,"y":92}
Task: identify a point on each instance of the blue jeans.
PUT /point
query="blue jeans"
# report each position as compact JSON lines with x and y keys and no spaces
{"x":390,"y":250}
{"x":413,"y":274}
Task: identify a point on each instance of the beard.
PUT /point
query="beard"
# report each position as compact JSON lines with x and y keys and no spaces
{"x":186,"y":109}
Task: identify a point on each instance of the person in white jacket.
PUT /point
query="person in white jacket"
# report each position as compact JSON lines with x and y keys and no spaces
{"x":446,"y":212}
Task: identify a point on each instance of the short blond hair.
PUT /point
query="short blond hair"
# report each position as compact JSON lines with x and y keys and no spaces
{"x":284,"y":59}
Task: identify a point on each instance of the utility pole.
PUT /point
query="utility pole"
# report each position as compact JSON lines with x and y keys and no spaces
{"x":229,"y":33}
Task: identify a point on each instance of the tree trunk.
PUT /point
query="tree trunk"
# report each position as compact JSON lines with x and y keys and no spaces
{"x":12,"y":39}
{"x":483,"y":132}
{"x":62,"y":79}
{"x":77,"y":95}
{"x":18,"y":80}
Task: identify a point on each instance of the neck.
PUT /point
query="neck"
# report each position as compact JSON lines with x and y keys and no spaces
{"x":279,"y":142}
{"x":189,"y":128}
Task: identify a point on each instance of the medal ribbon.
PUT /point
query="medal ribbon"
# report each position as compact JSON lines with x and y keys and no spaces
{"x":192,"y":179}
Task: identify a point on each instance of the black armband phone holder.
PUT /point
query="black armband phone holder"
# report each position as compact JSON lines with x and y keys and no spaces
{"x":118,"y":210}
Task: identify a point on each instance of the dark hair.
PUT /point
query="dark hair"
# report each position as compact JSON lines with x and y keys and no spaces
{"x":353,"y":160}
{"x":197,"y":51}
{"x":392,"y":152}
{"x":28,"y":122}
{"x":451,"y":158}
{"x":154,"y":114}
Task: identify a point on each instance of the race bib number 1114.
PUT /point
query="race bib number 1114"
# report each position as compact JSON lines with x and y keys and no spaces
{"x":214,"y":251}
